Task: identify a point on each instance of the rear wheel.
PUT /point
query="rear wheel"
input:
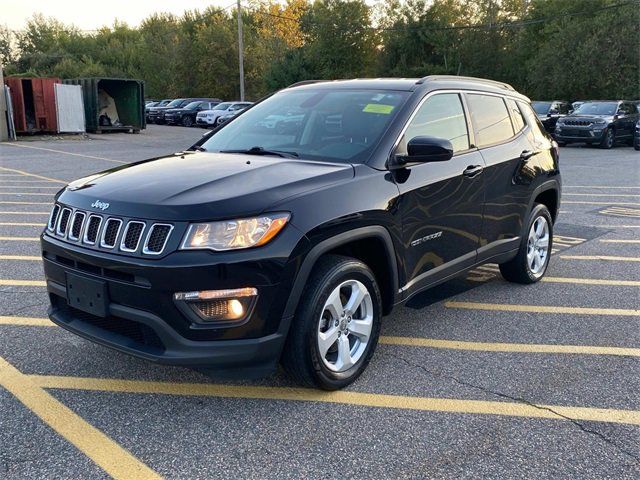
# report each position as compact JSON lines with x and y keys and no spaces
{"x":337,"y":325}
{"x":532,"y":260}
{"x":187,"y":121}
{"x":609,"y":139}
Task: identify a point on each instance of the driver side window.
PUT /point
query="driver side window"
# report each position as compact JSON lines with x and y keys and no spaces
{"x":440,"y":116}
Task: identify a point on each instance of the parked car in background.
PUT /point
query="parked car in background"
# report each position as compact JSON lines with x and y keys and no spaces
{"x":292,"y":246}
{"x":549,"y":112}
{"x":152,"y":108}
{"x":186,"y":116}
{"x":228,"y":116}
{"x":636,"y":137}
{"x":601,"y":122}
{"x":207,"y":118}
{"x":156,"y":114}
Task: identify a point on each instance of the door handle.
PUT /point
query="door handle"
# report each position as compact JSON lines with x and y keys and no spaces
{"x":473,"y":170}
{"x":527,"y":154}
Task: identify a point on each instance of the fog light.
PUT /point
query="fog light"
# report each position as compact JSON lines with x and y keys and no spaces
{"x":231,"y":305}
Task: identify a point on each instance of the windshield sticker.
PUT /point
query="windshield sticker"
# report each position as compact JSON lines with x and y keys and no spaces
{"x":378,"y":108}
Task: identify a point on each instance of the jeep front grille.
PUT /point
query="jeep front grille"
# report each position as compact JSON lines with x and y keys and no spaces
{"x":76,"y":225}
{"x":157,"y":238}
{"x":103,"y":232}
{"x":131,"y":236}
{"x":110,"y":232}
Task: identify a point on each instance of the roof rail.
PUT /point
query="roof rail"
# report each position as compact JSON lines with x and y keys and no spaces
{"x":465,"y":79}
{"x":304,"y":82}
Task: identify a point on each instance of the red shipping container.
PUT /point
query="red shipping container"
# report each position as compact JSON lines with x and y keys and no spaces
{"x":34,"y":104}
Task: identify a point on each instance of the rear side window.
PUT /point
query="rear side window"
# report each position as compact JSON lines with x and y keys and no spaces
{"x":532,"y":118}
{"x":516,"y":115}
{"x":490,"y":119}
{"x":440,"y":116}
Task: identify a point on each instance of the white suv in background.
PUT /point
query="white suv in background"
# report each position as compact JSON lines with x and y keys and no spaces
{"x":207,"y":118}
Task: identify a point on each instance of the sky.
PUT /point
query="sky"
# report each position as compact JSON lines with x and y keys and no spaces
{"x":90,"y":15}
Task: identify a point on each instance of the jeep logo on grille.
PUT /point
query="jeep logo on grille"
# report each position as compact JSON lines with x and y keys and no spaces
{"x":100,"y":205}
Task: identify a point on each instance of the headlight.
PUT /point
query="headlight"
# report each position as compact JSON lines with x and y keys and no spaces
{"x":234,"y":234}
{"x":600,"y":121}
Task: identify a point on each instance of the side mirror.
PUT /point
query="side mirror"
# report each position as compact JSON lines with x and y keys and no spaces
{"x":424,"y":149}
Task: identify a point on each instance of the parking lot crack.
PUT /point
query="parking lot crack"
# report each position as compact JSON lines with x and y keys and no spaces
{"x":521,"y":400}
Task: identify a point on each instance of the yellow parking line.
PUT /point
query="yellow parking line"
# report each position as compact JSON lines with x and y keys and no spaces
{"x":600,"y":257}
{"x":18,"y":224}
{"x":509,"y":347}
{"x":23,"y":213}
{"x":107,"y":454}
{"x":616,"y":240}
{"x":600,"y":203}
{"x":25,"y":203}
{"x":22,"y":172}
{"x":19,"y":239}
{"x":601,"y":194}
{"x":7,"y":182}
{"x":27,"y":321}
{"x":377,"y":400}
{"x":65,"y":153}
{"x":5,"y":282}
{"x":20,"y":257}
{"x":38,"y":187}
{"x":592,"y":281}
{"x":502,"y":307}
{"x":619,"y":226}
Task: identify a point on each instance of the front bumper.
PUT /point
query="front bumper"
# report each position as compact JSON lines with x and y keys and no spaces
{"x":209,"y":122}
{"x":143,"y":319}
{"x":580,"y":134}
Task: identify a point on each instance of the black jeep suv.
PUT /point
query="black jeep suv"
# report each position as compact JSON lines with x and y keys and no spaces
{"x":262,"y":245}
{"x":186,"y":116}
{"x":602,"y":123}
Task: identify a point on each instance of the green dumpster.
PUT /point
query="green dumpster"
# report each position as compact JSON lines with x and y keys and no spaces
{"x":112,"y":104}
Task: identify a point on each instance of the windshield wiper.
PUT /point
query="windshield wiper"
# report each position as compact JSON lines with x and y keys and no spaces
{"x":263,"y":151}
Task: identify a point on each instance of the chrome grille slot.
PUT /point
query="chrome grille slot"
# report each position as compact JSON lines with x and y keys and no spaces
{"x":131,"y":236}
{"x":77,"y":222}
{"x":55,"y":211}
{"x":91,"y":232}
{"x":110,"y":232}
{"x":63,"y":222}
{"x":157,"y":238}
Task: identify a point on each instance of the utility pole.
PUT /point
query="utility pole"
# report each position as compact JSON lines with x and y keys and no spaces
{"x":4,"y":128}
{"x":240,"y":52}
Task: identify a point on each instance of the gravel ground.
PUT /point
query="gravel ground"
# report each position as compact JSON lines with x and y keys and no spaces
{"x":207,"y":435}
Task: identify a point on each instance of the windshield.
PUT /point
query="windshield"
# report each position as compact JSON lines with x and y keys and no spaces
{"x":597,"y":108}
{"x":175,"y":103}
{"x":541,"y":108}
{"x":193,"y":105}
{"x":315,"y":124}
{"x":222,"y":106}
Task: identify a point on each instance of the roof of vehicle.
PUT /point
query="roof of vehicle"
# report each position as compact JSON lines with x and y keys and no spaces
{"x":412,"y":84}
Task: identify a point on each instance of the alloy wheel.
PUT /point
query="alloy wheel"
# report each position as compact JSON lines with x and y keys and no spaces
{"x":345,"y":325}
{"x":538,"y":246}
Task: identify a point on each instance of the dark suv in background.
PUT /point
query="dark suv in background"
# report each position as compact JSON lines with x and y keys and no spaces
{"x":602,"y":122}
{"x":186,"y":116}
{"x":550,"y":111}
{"x":156,"y":114}
{"x":264,"y":244}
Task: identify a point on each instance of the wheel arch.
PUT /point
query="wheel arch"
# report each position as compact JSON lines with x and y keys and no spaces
{"x":363,"y":243}
{"x":549,"y":195}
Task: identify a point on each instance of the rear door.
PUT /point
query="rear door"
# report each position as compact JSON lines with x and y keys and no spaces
{"x":509,"y":170}
{"x":441,"y":202}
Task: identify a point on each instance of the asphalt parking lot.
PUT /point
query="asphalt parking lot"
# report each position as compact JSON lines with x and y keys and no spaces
{"x":477,"y":378}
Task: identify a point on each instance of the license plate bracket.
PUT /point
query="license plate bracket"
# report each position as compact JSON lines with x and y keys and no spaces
{"x":87,"y":294}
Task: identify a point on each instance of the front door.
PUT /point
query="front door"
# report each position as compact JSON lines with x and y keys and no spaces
{"x":441,"y":202}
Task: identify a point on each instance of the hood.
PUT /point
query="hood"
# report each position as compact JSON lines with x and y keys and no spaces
{"x":201,"y":185}
{"x":176,"y":110}
{"x":584,"y":119}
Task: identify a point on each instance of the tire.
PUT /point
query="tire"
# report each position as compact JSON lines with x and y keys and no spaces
{"x":520,"y":269}
{"x":636,"y":144}
{"x":339,"y":278}
{"x":609,"y":139}
{"x":187,"y":121}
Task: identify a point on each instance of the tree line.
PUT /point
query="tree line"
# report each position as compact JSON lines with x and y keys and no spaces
{"x":569,"y":49}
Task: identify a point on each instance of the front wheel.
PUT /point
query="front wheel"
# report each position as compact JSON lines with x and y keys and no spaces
{"x":337,"y":324}
{"x":532,"y":260}
{"x":187,"y":121}
{"x":609,"y":139}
